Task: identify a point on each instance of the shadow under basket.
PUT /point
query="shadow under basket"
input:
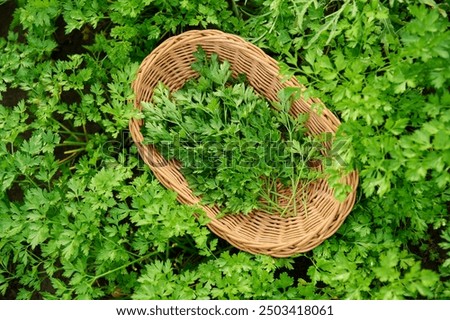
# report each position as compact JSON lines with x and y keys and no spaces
{"x":257,"y":232}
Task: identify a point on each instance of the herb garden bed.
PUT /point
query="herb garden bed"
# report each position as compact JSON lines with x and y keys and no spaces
{"x":83,"y":217}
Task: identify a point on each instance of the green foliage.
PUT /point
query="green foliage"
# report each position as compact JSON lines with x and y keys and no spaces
{"x":82,"y":217}
{"x":238,"y":276}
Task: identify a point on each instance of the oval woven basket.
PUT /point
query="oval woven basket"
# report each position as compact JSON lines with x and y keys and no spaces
{"x":257,"y":232}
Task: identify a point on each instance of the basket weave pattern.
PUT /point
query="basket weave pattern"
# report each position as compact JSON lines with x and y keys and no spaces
{"x":257,"y":232}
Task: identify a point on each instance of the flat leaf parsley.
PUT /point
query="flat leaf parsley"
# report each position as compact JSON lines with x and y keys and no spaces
{"x":236,"y":148}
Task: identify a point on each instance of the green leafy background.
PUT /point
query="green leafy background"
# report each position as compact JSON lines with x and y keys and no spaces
{"x":82,"y":217}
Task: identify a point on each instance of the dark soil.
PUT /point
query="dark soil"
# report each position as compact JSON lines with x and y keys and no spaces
{"x":6,"y":11}
{"x":300,"y":269}
{"x":433,"y":256}
{"x":12,"y":96}
{"x":72,"y":43}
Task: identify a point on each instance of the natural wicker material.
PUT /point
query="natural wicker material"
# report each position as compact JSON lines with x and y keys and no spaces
{"x":257,"y":232}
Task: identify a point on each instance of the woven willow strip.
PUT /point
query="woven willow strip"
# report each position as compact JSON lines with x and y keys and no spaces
{"x":258,"y":232}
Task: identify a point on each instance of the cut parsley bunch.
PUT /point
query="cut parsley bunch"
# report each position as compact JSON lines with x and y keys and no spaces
{"x":233,"y":144}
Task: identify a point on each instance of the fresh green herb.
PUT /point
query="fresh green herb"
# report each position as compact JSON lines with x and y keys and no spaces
{"x":234,"y":147}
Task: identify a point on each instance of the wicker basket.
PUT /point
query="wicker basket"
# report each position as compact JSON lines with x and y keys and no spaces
{"x":257,"y":232}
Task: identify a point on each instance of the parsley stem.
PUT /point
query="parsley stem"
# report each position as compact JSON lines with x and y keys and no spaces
{"x":95,"y":278}
{"x":70,"y":143}
{"x":28,"y":178}
{"x":235,"y":9}
{"x":269,"y":30}
{"x":67,"y":130}
{"x":73,"y":155}
{"x":71,"y":132}
{"x":167,"y":250}
{"x":74,"y":150}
